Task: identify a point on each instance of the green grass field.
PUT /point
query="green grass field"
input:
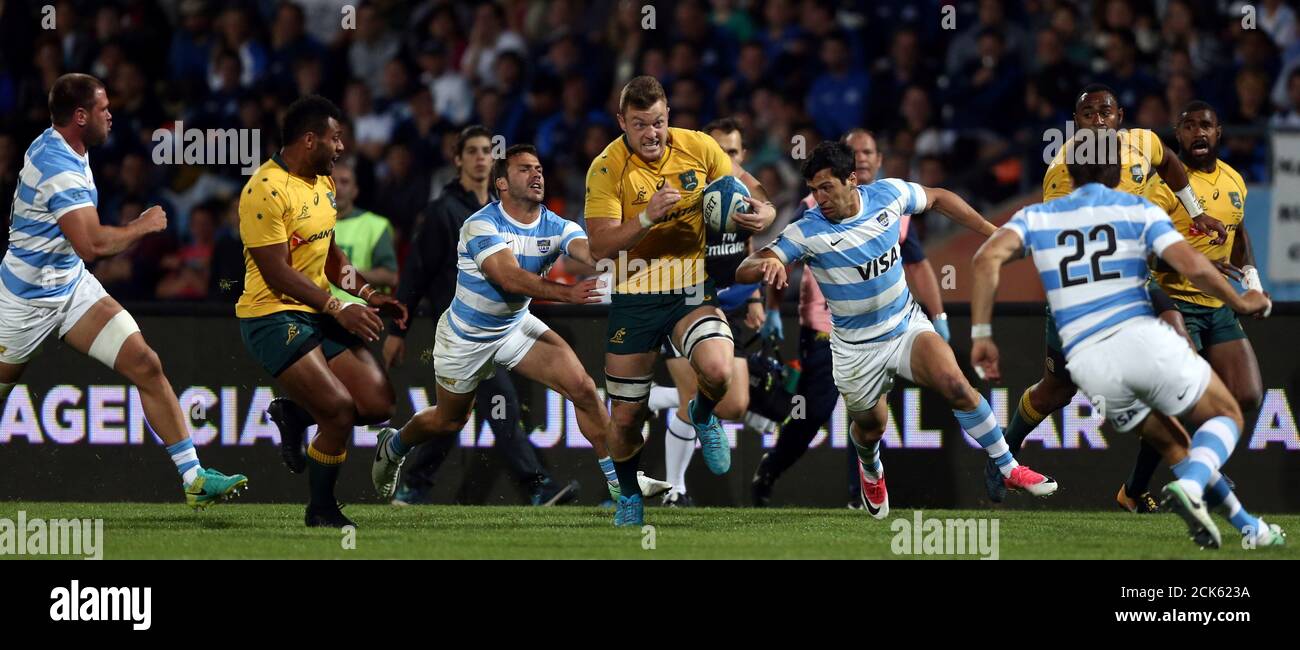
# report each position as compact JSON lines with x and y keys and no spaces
{"x":242,"y":530}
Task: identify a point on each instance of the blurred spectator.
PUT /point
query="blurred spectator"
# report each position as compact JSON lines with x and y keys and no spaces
{"x":558,"y":137}
{"x":1123,"y":73}
{"x":1054,"y":76}
{"x":403,"y":188}
{"x":187,"y":271}
{"x":1278,"y":20}
{"x":1289,"y":117}
{"x":965,"y":49}
{"x":1180,"y":31}
{"x":365,"y":237}
{"x":839,"y":97}
{"x":226,"y":272}
{"x":422,"y":129}
{"x":488,"y":39}
{"x":371,"y":129}
{"x":372,"y":48}
{"x":903,"y":67}
{"x":1252,"y":106}
{"x":290,"y":43}
{"x":1179,"y":91}
{"x":453,"y":98}
{"x":237,"y":36}
{"x":134,"y":273}
{"x":1153,"y":113}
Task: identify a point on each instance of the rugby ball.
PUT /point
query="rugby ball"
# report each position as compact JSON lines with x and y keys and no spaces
{"x":721,"y":201}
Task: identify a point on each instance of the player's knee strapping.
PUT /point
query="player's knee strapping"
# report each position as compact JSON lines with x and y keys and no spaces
{"x":707,"y":327}
{"x":628,"y":389}
{"x":112,"y":337}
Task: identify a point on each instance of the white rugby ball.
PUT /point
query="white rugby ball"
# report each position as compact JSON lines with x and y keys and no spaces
{"x":721,"y":201}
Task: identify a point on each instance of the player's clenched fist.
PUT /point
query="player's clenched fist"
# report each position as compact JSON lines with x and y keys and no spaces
{"x":153,"y":220}
{"x":661,"y":202}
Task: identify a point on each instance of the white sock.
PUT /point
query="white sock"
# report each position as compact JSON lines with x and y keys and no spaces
{"x":679,"y":446}
{"x":662,"y":397}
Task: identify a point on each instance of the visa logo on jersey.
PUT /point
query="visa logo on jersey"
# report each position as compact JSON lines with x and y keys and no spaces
{"x":877,"y":266}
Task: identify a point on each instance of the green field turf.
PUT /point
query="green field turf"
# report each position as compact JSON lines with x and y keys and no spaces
{"x":242,"y":530}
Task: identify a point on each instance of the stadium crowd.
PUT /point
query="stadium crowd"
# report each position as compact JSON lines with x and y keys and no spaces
{"x":957,"y":98}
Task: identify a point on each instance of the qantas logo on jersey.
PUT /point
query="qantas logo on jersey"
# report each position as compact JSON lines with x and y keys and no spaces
{"x":878,"y":266}
{"x":296,"y":241}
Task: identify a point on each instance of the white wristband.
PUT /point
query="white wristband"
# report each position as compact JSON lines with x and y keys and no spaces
{"x":1188,"y":198}
{"x":981,"y":330}
{"x":1250,"y":279}
{"x":645,"y":220}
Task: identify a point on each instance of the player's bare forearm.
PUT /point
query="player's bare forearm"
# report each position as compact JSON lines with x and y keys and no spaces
{"x":379,"y":277}
{"x":608,"y":236}
{"x":763,"y":266}
{"x":1004,"y":246}
{"x":751,"y":183}
{"x":340,"y":272}
{"x":1242,"y":253}
{"x":92,"y":240}
{"x":1201,"y":272}
{"x":502,"y":269}
{"x":958,"y":210}
{"x":924,"y":284}
{"x":272,"y":263}
{"x":1173,"y":172}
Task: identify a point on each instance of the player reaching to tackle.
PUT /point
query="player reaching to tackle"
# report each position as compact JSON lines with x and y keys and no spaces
{"x":312,"y":343}
{"x":850,"y":243}
{"x":1141,"y":156}
{"x":44,"y":285}
{"x":643,"y":210}
{"x":503,"y":249}
{"x":1090,"y":248}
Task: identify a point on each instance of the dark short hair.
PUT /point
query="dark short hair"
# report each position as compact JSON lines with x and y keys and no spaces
{"x":640,"y":93}
{"x":469,"y":133}
{"x":1104,"y":169}
{"x":836,"y":156}
{"x":499,"y":167}
{"x":1094,"y":88}
{"x":308,"y":114}
{"x":725,"y":125}
{"x":70,"y":92}
{"x":1194,"y":106}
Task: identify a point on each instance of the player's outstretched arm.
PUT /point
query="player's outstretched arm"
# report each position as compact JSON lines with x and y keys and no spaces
{"x":502,"y":269}
{"x":1004,"y":246}
{"x":1171,"y":169}
{"x":580,"y":261}
{"x":764,"y":267}
{"x":93,"y":240}
{"x":1199,"y":271}
{"x":957,"y":209}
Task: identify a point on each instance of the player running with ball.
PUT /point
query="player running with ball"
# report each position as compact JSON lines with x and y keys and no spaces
{"x":44,"y":285}
{"x":850,"y":243}
{"x":1090,"y":248}
{"x":643,"y":213}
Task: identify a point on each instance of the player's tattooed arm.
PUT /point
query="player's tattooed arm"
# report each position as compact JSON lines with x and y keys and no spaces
{"x":502,"y":269}
{"x":1004,"y":246}
{"x":92,"y":240}
{"x":957,"y":209}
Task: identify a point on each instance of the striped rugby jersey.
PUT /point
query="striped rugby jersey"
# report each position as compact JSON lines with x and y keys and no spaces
{"x":41,"y":265}
{"x":1091,"y":248}
{"x":481,"y":310}
{"x":857,"y":261}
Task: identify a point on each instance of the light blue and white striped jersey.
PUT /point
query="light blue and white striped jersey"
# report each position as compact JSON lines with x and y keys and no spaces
{"x":1091,"y":248}
{"x":41,"y":265}
{"x":856,"y":262}
{"x":481,"y":310}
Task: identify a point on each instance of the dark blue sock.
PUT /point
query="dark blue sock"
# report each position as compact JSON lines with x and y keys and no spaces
{"x":626,"y":470}
{"x":703,"y":408}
